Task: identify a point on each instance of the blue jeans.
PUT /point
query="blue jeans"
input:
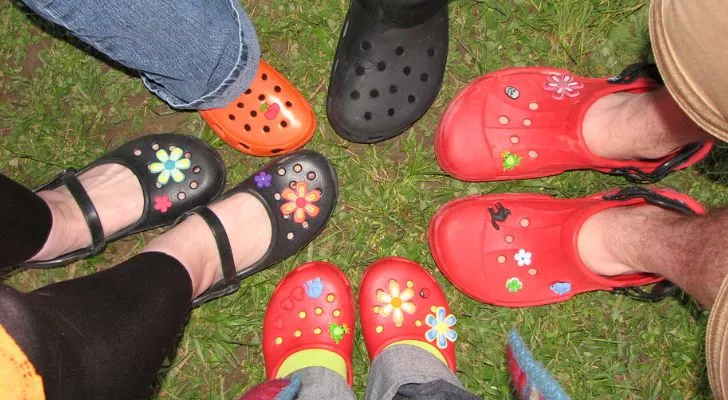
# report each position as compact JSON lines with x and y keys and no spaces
{"x":193,"y":54}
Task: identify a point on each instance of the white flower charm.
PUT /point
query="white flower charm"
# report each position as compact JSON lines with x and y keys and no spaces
{"x":170,"y":164}
{"x":396,"y":302}
{"x":440,"y":325}
{"x":523,"y":257}
{"x":562,"y":85}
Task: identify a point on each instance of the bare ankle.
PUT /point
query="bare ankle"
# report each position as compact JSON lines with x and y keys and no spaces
{"x":626,"y":126}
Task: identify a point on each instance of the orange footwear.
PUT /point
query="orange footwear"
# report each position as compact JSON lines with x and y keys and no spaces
{"x":271,"y":118}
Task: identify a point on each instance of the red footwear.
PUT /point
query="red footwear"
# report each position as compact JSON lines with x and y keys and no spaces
{"x":520,"y":250}
{"x":400,"y":301}
{"x":523,"y":123}
{"x":270,"y":119}
{"x":311,"y":308}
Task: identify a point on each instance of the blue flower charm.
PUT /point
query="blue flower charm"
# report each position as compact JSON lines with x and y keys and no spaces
{"x":561,"y":288}
{"x":170,"y":164}
{"x":263,"y":179}
{"x":315,"y":288}
{"x":440,"y":328}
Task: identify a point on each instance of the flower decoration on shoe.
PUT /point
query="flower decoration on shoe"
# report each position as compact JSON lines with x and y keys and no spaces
{"x":523,"y":257}
{"x":514,"y":285}
{"x":396,"y":302}
{"x":440,"y":324}
{"x":170,"y":165}
{"x":337,"y":331}
{"x":300,"y":202}
{"x":562,"y":86}
{"x":263,"y":180}
{"x":510,"y":160}
{"x":315,"y":288}
{"x":162,"y":203}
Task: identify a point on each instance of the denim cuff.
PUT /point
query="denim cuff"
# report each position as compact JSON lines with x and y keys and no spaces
{"x":236,"y":82}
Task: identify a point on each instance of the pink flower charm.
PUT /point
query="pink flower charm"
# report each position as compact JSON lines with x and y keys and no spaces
{"x":162,"y":203}
{"x":562,"y":85}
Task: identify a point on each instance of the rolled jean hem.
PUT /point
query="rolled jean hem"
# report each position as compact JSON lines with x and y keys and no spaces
{"x":237,"y":81}
{"x":404,"y":364}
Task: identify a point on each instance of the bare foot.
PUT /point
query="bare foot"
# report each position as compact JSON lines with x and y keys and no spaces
{"x":248,"y":228}
{"x":630,"y":126}
{"x":115,"y":193}
{"x":612,"y":242}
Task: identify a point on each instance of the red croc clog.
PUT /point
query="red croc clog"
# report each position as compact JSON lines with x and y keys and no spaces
{"x":270,"y":119}
{"x":311,"y":308}
{"x":523,"y":123}
{"x":520,"y":250}
{"x":400,"y":301}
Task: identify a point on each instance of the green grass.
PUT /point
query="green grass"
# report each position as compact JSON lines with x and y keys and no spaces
{"x":61,"y":107}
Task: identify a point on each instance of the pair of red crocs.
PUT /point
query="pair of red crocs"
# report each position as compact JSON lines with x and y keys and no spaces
{"x":520,"y":250}
{"x":312,"y":308}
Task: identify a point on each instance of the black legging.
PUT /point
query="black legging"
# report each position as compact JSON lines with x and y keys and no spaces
{"x":102,"y":336}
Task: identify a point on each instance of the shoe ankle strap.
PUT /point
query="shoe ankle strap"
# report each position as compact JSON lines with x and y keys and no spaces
{"x":656,"y":199}
{"x":229,"y":282}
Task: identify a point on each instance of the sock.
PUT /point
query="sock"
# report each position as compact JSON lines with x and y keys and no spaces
{"x":313,"y":358}
{"x":423,"y":345}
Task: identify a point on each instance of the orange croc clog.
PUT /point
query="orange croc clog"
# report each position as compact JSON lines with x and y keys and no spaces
{"x":271,"y":118}
{"x":311,"y":309}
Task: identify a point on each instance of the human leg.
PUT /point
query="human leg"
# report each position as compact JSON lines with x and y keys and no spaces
{"x":193,"y":55}
{"x":690,"y":251}
{"x":104,"y":335}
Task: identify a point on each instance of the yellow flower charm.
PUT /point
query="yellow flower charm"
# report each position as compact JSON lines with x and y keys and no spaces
{"x":300,"y":202}
{"x":396,"y":302}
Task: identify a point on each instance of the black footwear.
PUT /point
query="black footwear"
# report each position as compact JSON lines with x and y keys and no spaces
{"x":176,"y":172}
{"x":299,"y":192}
{"x":388,"y":68}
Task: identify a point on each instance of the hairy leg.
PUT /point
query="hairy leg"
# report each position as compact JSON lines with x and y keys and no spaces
{"x":625,"y":126}
{"x":690,"y":251}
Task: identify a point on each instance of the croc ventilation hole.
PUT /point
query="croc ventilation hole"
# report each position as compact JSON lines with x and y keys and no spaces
{"x":393,"y":89}
{"x":424,"y":77}
{"x":411,"y":98}
{"x":240,"y":105}
{"x":374,"y":93}
{"x":266,"y":129}
{"x":277,"y":89}
{"x":390,"y":112}
{"x":289,"y":104}
{"x":359,"y":70}
{"x":431,"y":52}
{"x":381,"y":66}
{"x":244,"y":145}
{"x":232,"y":117}
{"x":261,"y":97}
{"x":354,"y":95}
{"x":407,"y":70}
{"x":247,"y":127}
{"x":276,"y":151}
{"x":399,"y":50}
{"x":365,"y":45}
{"x":264,"y":77}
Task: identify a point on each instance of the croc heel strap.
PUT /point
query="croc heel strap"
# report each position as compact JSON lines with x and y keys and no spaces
{"x":230,"y":281}
{"x":91,"y":216}
{"x":636,"y":175}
